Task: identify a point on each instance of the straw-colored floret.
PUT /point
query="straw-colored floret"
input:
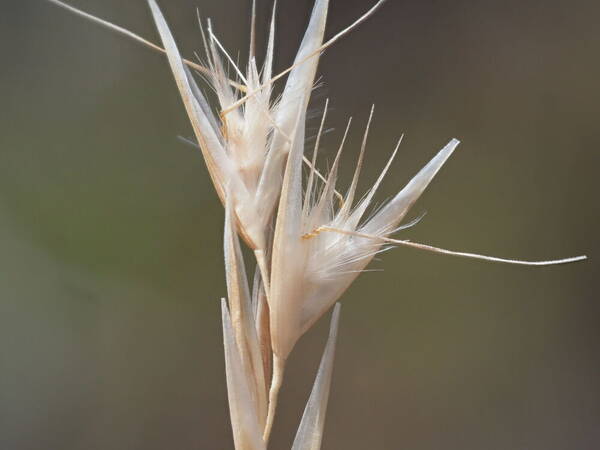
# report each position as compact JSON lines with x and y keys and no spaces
{"x":310,"y":242}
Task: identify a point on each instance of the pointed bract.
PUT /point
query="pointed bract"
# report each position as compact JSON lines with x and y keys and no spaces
{"x":288,"y":263}
{"x":394,"y":211}
{"x":310,"y":431}
{"x":218,"y":165}
{"x":301,"y":79}
{"x":242,"y":317}
{"x":247,"y":432}
{"x":294,"y":102}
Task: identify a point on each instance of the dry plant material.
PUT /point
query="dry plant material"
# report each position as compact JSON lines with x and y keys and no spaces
{"x":254,"y":149}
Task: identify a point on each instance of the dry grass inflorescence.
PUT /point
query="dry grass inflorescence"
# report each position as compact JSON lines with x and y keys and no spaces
{"x":310,"y":241}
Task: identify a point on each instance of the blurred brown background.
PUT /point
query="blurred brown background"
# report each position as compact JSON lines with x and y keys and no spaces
{"x":111,"y":265}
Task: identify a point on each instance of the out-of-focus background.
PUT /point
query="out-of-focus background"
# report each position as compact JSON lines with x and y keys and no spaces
{"x":110,"y":252}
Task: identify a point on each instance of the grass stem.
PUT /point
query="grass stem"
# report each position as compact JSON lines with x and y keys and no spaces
{"x":278,"y":369}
